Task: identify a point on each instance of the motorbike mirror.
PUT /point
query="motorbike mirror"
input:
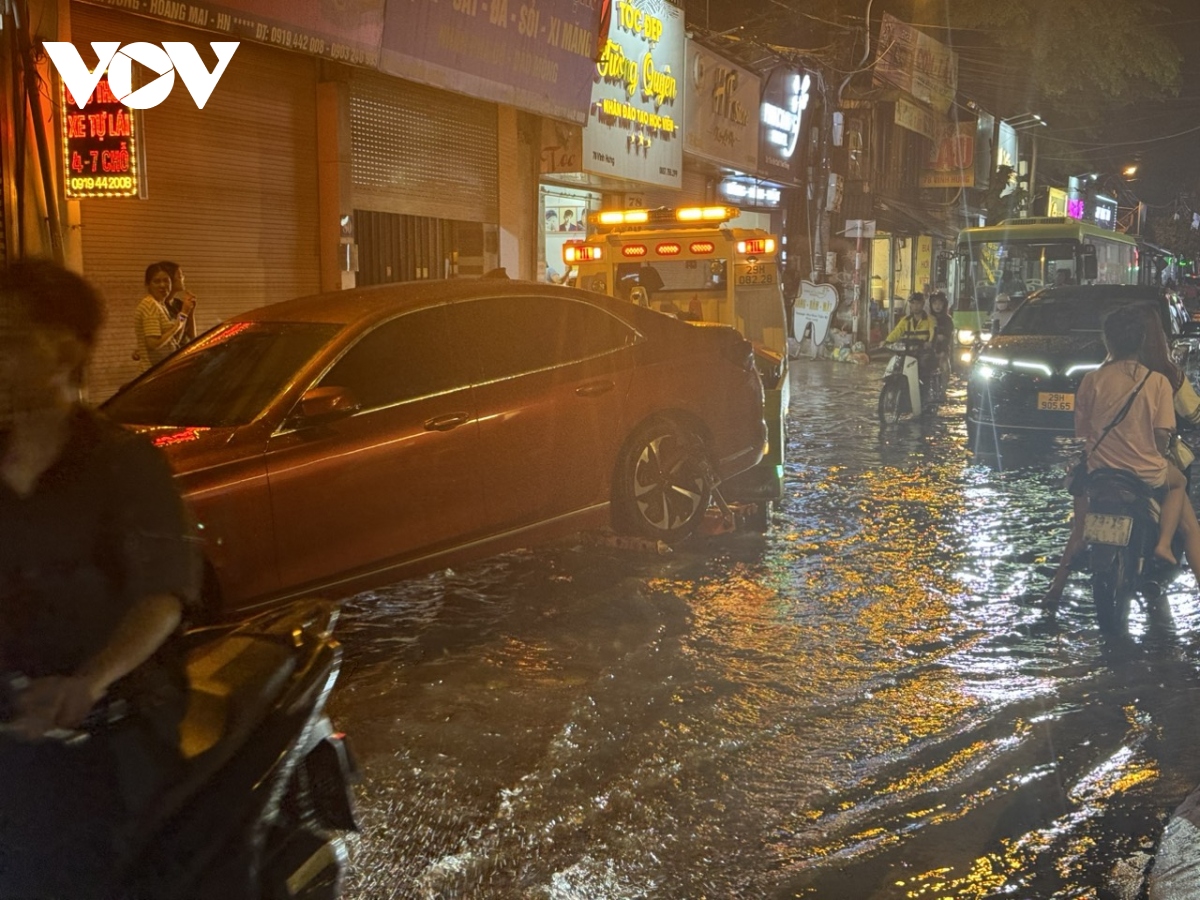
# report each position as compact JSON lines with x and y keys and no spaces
{"x":323,"y":404}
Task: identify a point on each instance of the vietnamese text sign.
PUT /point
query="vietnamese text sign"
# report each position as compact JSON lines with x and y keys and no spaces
{"x":99,"y":145}
{"x":632,"y":130}
{"x":952,"y":157}
{"x":916,"y":118}
{"x":539,"y":56}
{"x":916,"y":63}
{"x":815,"y":306}
{"x":721,"y":110}
{"x":348,"y":32}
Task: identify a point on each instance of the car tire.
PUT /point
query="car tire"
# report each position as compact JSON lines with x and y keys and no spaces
{"x":663,"y":485}
{"x":890,"y":402}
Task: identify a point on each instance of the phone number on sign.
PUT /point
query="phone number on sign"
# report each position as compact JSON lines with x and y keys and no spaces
{"x":103,"y":183}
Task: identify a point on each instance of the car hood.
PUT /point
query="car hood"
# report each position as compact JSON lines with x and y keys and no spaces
{"x":190,"y":448}
{"x":1060,"y":352}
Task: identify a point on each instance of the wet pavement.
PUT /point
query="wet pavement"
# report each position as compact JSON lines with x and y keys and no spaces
{"x":863,"y":703}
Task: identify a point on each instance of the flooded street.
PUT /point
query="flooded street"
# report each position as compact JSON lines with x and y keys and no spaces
{"x":864,"y":703}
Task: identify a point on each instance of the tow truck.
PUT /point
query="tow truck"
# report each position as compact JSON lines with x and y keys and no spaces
{"x":689,"y":263}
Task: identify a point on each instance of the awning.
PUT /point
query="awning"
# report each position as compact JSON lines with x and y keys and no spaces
{"x":898,"y":217}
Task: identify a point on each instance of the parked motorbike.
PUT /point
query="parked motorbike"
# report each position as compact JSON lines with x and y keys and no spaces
{"x":264,"y":797}
{"x":1121,"y":530}
{"x":903,"y":390}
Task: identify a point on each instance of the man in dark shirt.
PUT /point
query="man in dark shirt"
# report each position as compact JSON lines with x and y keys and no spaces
{"x":97,"y":564}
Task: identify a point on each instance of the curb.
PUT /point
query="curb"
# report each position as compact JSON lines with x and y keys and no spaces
{"x":1175,"y":874}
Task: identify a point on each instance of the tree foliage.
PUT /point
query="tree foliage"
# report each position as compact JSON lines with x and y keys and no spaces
{"x":1174,"y":232}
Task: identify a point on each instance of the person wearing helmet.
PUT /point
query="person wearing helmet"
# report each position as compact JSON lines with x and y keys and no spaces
{"x":943,"y":329}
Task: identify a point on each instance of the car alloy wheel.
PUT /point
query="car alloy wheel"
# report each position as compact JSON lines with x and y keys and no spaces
{"x":664,"y":485}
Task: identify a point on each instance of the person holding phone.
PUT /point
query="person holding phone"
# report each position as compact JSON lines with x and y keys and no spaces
{"x":159,"y":332}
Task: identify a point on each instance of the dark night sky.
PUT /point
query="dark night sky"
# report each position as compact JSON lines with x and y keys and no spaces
{"x":1170,"y":165}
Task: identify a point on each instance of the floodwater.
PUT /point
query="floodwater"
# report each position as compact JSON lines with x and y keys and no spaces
{"x":864,"y":703}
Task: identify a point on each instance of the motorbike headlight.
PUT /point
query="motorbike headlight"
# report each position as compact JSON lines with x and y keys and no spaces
{"x":966,"y":337}
{"x":985,"y":336}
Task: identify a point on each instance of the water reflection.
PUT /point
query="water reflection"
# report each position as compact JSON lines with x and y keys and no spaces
{"x":863,"y":703}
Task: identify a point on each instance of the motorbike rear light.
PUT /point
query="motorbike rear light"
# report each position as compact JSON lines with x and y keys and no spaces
{"x":577,"y":252}
{"x":756,"y":246}
{"x":702,"y":246}
{"x":667,"y":249}
{"x":634,"y":250}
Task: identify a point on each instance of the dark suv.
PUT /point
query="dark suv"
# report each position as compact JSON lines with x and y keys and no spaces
{"x":1024,"y":379}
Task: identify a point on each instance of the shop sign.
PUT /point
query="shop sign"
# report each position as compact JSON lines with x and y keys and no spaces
{"x":720,"y":121}
{"x":750,"y":193}
{"x":347,"y":32}
{"x":562,"y":147}
{"x":1006,"y":147}
{"x":814,"y":308}
{"x":917,"y":118}
{"x":537,"y":55}
{"x":99,"y":145}
{"x":916,"y":63}
{"x":985,"y":136}
{"x":1056,"y":203}
{"x":952,"y":157}
{"x":632,"y":130}
{"x":782,"y":119}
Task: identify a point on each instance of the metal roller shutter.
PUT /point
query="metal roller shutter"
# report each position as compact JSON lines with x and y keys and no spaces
{"x":231,"y":191}
{"x":422,"y":152}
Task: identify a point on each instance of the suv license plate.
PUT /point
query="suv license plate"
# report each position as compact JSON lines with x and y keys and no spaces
{"x":1056,"y":402}
{"x":1104,"y":529}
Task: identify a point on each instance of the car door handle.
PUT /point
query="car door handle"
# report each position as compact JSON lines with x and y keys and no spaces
{"x":595,"y":389}
{"x":448,"y":422}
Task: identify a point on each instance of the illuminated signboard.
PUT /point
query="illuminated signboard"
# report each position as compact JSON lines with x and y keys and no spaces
{"x":1076,"y":208}
{"x":99,"y":146}
{"x":632,"y":131}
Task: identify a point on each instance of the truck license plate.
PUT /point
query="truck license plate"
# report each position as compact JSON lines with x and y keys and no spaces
{"x":1104,"y":529}
{"x":1056,"y":402}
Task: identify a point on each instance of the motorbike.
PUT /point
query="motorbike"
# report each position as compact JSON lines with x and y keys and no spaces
{"x":903,"y":391}
{"x":263,"y":801}
{"x":1120,"y":531}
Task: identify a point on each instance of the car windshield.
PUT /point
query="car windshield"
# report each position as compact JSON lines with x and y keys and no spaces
{"x":1062,"y":316}
{"x":225,"y":378}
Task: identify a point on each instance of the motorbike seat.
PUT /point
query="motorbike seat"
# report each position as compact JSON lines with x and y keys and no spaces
{"x":1124,"y":487}
{"x":233,"y":683}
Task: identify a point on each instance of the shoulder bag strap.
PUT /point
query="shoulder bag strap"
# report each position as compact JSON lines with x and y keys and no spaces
{"x":1123,"y":413}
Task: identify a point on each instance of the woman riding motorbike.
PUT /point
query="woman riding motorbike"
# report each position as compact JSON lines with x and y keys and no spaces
{"x":1156,"y":356}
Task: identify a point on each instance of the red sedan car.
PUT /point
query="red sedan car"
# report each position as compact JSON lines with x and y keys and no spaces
{"x":341,"y":441}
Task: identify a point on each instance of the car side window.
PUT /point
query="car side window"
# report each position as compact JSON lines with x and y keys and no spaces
{"x":402,"y":359}
{"x":506,"y":336}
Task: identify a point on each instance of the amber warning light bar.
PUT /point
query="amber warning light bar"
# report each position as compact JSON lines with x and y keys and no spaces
{"x":578,"y":251}
{"x":664,"y":215}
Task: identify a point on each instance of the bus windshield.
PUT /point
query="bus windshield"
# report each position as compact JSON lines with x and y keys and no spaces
{"x":1015,"y":268}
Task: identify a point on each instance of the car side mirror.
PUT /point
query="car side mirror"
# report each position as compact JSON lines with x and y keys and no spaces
{"x":324,"y":404}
